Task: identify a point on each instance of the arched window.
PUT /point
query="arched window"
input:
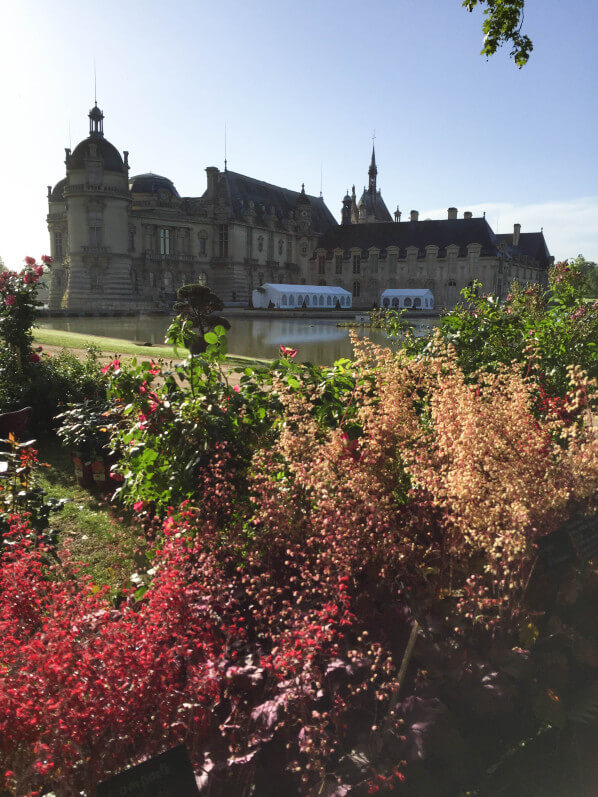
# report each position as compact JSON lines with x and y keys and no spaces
{"x":407,"y":301}
{"x":291,"y":300}
{"x":386,"y":302}
{"x":329,"y":301}
{"x":395,"y":301}
{"x":284,"y":299}
{"x":356,"y":288}
{"x":300,"y":300}
{"x":417,"y":302}
{"x":321,"y":300}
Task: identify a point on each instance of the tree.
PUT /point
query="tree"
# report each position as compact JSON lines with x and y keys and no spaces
{"x":502,"y":24}
{"x":589,"y":270}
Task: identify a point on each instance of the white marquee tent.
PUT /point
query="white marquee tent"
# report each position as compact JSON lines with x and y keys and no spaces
{"x":292,"y":297}
{"x":408,"y":298}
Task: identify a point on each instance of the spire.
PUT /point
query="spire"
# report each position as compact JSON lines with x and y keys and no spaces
{"x":373,"y":171}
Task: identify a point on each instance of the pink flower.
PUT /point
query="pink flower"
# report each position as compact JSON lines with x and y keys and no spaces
{"x":10,"y":300}
{"x":138,"y":506}
{"x":46,"y":259}
{"x":286,"y":352}
{"x":29,"y":260}
{"x":39,"y":270}
{"x":29,"y":278}
{"x":114,"y":364}
{"x":154,"y":369}
{"x":236,"y":388}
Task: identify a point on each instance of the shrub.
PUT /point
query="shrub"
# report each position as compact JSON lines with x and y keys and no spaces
{"x":271,"y":638}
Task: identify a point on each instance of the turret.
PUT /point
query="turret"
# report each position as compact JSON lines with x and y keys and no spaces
{"x":346,"y":211}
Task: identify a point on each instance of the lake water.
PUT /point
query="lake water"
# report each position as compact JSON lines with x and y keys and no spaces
{"x":318,"y":340}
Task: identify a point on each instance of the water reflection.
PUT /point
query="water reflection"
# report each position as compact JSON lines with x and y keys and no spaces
{"x":317,"y":340}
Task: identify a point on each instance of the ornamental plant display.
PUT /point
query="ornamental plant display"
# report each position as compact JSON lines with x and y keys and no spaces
{"x":272,"y":634}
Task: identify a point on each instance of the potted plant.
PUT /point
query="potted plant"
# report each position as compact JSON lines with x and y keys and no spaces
{"x":85,"y":429}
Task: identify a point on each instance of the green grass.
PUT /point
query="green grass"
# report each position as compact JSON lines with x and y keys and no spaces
{"x":87,"y":526}
{"x":110,"y":346}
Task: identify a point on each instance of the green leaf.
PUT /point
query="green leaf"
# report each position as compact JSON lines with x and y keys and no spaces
{"x":210,"y":337}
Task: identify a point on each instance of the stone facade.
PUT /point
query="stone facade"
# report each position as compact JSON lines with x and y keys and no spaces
{"x":125,"y":244}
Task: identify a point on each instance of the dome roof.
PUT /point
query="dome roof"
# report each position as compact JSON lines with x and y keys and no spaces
{"x":150,"y":184}
{"x":57,"y":191}
{"x":106,"y":151}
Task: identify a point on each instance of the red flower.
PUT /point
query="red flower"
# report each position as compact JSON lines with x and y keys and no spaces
{"x":30,"y":261}
{"x":138,"y":506}
{"x":34,"y":358}
{"x":114,"y":364}
{"x":286,"y":352}
{"x":10,"y":300}
{"x":46,"y":259}
{"x":39,"y":270}
{"x":154,"y":369}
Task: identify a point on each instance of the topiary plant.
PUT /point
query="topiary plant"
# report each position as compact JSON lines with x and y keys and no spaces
{"x":196,"y":315}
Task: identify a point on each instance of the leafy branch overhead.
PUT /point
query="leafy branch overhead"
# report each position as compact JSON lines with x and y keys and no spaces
{"x":502,"y":24}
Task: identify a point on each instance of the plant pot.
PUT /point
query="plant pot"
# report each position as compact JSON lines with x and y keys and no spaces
{"x":83,"y":471}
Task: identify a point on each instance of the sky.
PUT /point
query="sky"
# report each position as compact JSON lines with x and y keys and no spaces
{"x":300,"y":88}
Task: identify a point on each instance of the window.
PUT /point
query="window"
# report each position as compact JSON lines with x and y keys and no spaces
{"x":329,"y":301}
{"x":321,"y":264}
{"x":291,"y":300}
{"x":386,"y":302}
{"x":417,"y":302}
{"x":284,"y":299}
{"x":168,"y":282}
{"x":134,"y":281}
{"x":407,"y":301}
{"x":392,"y":262}
{"x":356,"y":287}
{"x":300,"y":299}
{"x":395,"y":301}
{"x":338,"y":264}
{"x":451,"y":292}
{"x":374,"y":263}
{"x":203,"y":244}
{"x":223,"y":240}
{"x":321,"y":301}
{"x":260,"y":243}
{"x":152,"y":279}
{"x":95,"y":227}
{"x":131,"y":240}
{"x":58,"y":250}
{"x":356,"y":265}
{"x":164,"y":241}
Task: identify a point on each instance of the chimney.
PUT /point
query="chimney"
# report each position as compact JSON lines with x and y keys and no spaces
{"x":212,"y":173}
{"x":414,"y":215}
{"x":468,"y":214}
{"x":516,"y":231}
{"x":452,"y":213}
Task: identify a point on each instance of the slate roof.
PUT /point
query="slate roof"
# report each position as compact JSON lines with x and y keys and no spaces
{"x":107,"y":152}
{"x":374,"y":205}
{"x":241,"y":190}
{"x":531,"y":244}
{"x":58,"y":191}
{"x":150,"y":184}
{"x":440,"y":232}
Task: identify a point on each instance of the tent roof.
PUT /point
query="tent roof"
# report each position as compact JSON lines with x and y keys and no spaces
{"x":325,"y":289}
{"x":407,"y":292}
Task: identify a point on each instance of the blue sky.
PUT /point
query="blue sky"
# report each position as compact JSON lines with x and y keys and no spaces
{"x":300,"y":87}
